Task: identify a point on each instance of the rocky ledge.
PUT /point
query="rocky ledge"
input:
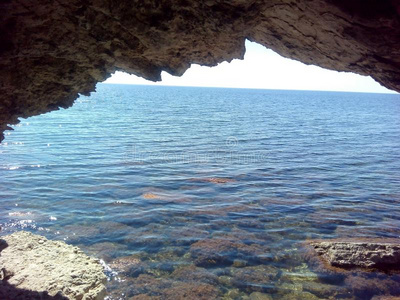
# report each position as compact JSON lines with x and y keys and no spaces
{"x":33,"y":267}
{"x":377,"y":254}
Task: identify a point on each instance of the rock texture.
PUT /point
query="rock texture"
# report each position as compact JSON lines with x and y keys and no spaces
{"x":50,"y":51}
{"x":33,"y":267}
{"x":379,"y":254}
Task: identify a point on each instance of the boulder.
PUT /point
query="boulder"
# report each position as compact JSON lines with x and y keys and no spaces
{"x":378,"y":254}
{"x":33,"y":267}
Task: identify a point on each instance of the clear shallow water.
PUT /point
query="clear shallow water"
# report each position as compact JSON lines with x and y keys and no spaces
{"x":200,"y":193}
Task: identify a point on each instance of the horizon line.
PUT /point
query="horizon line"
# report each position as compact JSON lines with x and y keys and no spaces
{"x":391,"y":92}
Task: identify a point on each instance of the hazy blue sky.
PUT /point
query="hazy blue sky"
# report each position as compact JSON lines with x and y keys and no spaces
{"x":262,"y":68}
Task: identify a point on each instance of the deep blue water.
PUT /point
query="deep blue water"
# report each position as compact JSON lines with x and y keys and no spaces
{"x":225,"y":183}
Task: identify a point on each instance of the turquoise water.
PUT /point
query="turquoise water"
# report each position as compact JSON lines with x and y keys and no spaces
{"x":206,"y":193}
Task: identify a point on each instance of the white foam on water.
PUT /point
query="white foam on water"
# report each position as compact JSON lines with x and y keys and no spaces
{"x":19,"y":213}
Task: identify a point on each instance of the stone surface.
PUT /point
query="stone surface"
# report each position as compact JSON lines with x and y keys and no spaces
{"x":259,"y":296}
{"x":50,"y":51}
{"x":33,"y":267}
{"x":224,"y":251}
{"x":255,"y":278}
{"x":380,"y":254}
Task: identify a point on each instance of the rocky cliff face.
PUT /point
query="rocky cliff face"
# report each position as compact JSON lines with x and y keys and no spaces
{"x":50,"y":51}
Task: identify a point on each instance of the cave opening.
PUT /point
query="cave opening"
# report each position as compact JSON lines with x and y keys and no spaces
{"x":262,"y":179}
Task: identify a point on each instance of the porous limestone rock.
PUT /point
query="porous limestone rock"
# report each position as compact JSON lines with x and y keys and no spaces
{"x":33,"y":267}
{"x":380,"y":254}
{"x":50,"y":51}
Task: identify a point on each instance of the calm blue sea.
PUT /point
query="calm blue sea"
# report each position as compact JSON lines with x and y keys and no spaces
{"x":208,"y":193}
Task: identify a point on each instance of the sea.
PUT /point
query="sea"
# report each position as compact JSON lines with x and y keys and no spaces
{"x":210,"y":193}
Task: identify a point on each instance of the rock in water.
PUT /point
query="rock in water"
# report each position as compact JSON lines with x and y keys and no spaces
{"x":380,"y":254}
{"x":33,"y":267}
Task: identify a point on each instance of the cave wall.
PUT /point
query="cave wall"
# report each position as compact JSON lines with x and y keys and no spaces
{"x":52,"y":51}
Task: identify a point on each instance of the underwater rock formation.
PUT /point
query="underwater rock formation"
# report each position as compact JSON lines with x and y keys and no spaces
{"x":33,"y":267}
{"x":52,"y":51}
{"x":378,"y":254}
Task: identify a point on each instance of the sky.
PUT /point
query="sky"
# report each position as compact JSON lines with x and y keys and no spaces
{"x":263,"y":68}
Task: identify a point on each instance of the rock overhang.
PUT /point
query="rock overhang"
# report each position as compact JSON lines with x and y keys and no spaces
{"x":52,"y":51}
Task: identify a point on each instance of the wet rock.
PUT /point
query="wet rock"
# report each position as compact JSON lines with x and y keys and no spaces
{"x":225,"y":249}
{"x":221,"y":251}
{"x":366,"y":285}
{"x":299,"y":295}
{"x":233,"y":294}
{"x":33,"y":263}
{"x":285,"y":288}
{"x":225,"y":280}
{"x":259,"y":296}
{"x":193,"y":273}
{"x":326,"y":291}
{"x":216,"y":180}
{"x":198,"y":291}
{"x":210,"y":252}
{"x":151,"y":196}
{"x":146,"y":284}
{"x":239,"y":263}
{"x":160,"y":195}
{"x":257,"y":278}
{"x":298,"y":287}
{"x":127,"y":265}
{"x":380,"y":254}
{"x":298,"y":274}
{"x":145,"y":297}
{"x":168,"y":254}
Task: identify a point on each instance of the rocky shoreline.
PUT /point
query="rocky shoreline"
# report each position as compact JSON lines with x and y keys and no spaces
{"x":33,"y":267}
{"x":368,"y":254}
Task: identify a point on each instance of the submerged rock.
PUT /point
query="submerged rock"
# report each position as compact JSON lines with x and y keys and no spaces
{"x":224,"y":251}
{"x":216,"y":180}
{"x":367,"y":285}
{"x":191,"y":290}
{"x":259,"y":296}
{"x":195,"y":274}
{"x":379,"y":254}
{"x":33,"y":267}
{"x":259,"y":278}
{"x":299,"y":295}
{"x":128,"y":265}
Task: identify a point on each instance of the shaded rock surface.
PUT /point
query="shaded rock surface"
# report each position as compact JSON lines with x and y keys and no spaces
{"x":33,"y":267}
{"x":380,"y":254}
{"x":50,"y":51}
